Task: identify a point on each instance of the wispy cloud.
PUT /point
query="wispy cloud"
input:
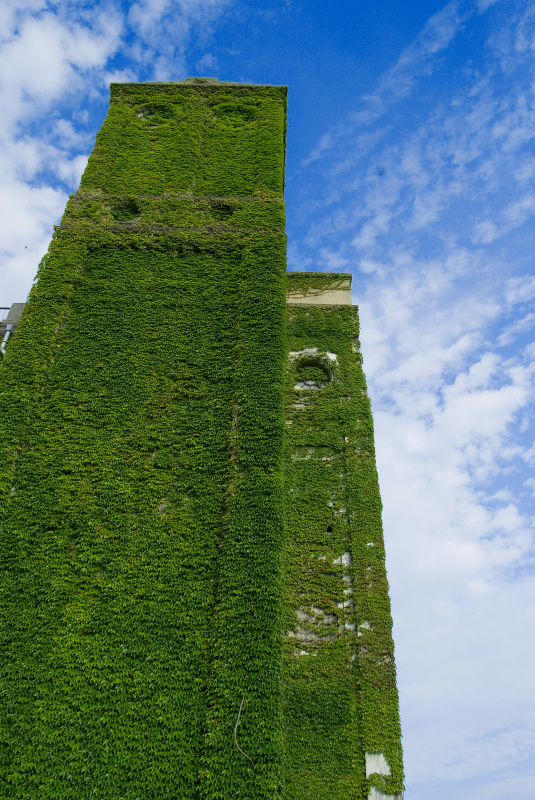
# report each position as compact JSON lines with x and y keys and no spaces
{"x":423,"y":185}
{"x":56,"y":62}
{"x":436,"y":212}
{"x":416,"y":62}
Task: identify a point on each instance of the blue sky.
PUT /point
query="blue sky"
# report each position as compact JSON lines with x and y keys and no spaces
{"x":410,"y":163}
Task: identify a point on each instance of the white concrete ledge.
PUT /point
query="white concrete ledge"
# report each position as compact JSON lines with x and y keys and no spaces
{"x":334,"y":289}
{"x":327,"y":297}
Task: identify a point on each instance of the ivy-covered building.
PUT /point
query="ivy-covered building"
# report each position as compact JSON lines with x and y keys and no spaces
{"x":193,"y":593}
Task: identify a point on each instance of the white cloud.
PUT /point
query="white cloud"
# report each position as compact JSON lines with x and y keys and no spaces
{"x":26,"y":215}
{"x":516,"y":328}
{"x":371,"y":229}
{"x":520,"y":289}
{"x":12,"y":10}
{"x":70,"y":170}
{"x":332,"y":261}
{"x":42,"y":59}
{"x":58,"y":53}
{"x":127,"y":75}
{"x":367,"y":266}
{"x":418,"y":189}
{"x":418,"y":59}
{"x":485,"y":232}
{"x":415,"y":63}
{"x":207,"y":62}
{"x":179,"y":17}
{"x":428,"y":204}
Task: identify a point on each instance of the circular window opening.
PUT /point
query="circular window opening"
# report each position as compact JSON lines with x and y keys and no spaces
{"x":312,"y":373}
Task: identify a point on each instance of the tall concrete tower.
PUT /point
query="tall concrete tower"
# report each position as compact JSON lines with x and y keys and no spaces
{"x":194,"y":600}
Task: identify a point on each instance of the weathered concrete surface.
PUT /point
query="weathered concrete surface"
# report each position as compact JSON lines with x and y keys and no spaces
{"x":14,"y":313}
{"x":377,"y":794}
{"x":376,"y":763}
{"x":11,"y":318}
{"x":335,"y":292}
{"x":328,"y":297}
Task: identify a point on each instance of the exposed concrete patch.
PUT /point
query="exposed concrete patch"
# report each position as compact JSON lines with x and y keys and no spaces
{"x":376,"y":764}
{"x":377,"y":794}
{"x":317,"y":616}
{"x":317,"y":452}
{"x":340,"y":511}
{"x":302,"y":454}
{"x":343,"y":560}
{"x":306,"y":386}
{"x":323,"y":297}
{"x":384,"y":660}
{"x":304,"y":635}
{"x":299,"y":653}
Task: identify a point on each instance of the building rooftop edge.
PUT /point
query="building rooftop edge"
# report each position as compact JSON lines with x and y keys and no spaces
{"x":198,"y":83}
{"x":319,"y":288}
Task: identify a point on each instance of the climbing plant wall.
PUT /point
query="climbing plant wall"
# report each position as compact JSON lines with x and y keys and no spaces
{"x":141,"y":464}
{"x":341,"y":723}
{"x":193,"y":599}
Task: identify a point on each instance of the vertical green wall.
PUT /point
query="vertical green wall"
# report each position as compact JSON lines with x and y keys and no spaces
{"x":193,"y":598}
{"x":141,"y":464}
{"x":340,"y":696}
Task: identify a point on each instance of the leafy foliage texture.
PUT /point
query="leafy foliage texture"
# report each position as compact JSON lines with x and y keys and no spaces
{"x":340,"y":696}
{"x":162,"y":539}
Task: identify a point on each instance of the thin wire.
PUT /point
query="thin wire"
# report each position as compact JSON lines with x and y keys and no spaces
{"x":236,"y":731}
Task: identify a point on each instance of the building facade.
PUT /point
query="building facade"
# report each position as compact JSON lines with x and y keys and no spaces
{"x":194,"y":597}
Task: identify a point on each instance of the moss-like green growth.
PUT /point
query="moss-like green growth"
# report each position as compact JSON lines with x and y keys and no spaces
{"x":311,"y":283}
{"x":141,"y":465}
{"x":210,"y":140}
{"x":340,"y":698}
{"x":193,"y":605}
